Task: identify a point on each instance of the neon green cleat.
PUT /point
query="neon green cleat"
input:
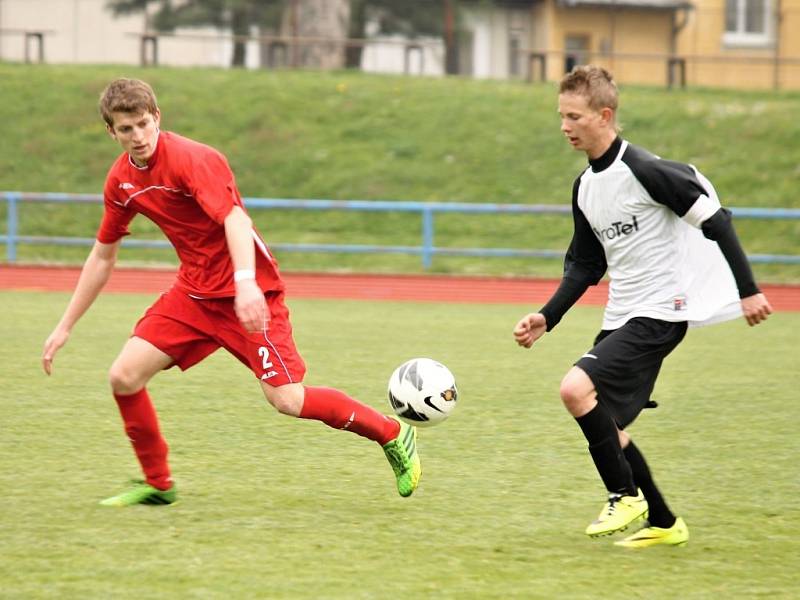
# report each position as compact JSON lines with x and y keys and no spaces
{"x":143,"y":493}
{"x":677,"y":535}
{"x":401,"y":453}
{"x":618,"y":514}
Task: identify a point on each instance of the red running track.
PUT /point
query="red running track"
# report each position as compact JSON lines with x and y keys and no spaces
{"x":425,"y":288}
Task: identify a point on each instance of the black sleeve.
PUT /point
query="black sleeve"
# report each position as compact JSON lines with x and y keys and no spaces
{"x":719,"y":227}
{"x":584,"y":265}
{"x":670,"y":183}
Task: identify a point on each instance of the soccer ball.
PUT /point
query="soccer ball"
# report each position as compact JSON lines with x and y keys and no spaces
{"x":422,"y":392}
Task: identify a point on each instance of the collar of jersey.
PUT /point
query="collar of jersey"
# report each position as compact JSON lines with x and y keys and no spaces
{"x":608,"y":157}
{"x":152,"y":161}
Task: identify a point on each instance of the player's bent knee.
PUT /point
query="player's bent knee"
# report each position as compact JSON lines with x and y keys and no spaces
{"x":284,"y":405}
{"x":286,"y":399}
{"x":569,"y":391}
{"x":577,"y":392}
{"x":124,"y":381}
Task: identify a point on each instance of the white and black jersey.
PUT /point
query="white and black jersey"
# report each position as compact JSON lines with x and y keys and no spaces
{"x":639,"y":217}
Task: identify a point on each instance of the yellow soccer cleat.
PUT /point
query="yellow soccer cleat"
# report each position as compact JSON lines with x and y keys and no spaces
{"x":402,"y":455}
{"x":677,"y":535}
{"x":143,"y":493}
{"x":618,"y":514}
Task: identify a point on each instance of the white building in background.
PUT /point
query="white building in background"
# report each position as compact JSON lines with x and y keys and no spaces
{"x":492,"y":41}
{"x":74,"y":31}
{"x":399,"y":55}
{"x":495,"y":40}
{"x":86,"y":32}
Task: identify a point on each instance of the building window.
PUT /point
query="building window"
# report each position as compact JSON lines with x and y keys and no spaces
{"x":576,"y":51}
{"x":748,"y":23}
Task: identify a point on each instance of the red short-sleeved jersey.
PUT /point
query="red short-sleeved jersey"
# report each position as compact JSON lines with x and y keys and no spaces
{"x":187,"y":189}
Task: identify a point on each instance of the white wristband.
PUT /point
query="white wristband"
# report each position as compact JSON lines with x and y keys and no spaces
{"x":243,"y":274}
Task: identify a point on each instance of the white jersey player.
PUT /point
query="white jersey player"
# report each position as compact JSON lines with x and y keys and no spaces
{"x":673,"y":258}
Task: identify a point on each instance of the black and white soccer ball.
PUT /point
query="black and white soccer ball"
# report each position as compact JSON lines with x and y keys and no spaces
{"x":422,"y":392}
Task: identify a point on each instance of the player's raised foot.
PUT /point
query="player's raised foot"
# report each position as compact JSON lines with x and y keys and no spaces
{"x":618,"y":514}
{"x":142,"y":493}
{"x":677,"y":535}
{"x":401,"y":453}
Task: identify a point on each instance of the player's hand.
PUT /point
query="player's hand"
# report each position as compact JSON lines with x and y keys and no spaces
{"x":529,"y":329}
{"x":250,"y":306}
{"x":52,"y":345}
{"x":756,"y":308}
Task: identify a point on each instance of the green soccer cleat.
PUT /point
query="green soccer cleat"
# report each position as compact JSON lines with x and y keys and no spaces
{"x":618,"y":514}
{"x":143,"y":493}
{"x":677,"y":535}
{"x":401,"y":453}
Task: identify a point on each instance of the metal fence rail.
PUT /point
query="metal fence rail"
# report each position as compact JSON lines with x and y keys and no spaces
{"x":426,"y":250}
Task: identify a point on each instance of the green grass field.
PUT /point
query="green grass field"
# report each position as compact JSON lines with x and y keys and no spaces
{"x":277,"y":508}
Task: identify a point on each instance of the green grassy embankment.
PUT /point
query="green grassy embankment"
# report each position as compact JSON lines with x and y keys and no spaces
{"x":354,"y":136}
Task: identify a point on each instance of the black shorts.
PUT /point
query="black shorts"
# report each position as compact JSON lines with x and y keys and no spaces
{"x":624,"y":364}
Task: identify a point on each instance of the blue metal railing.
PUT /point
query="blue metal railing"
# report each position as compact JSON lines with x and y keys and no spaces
{"x":427,"y":250}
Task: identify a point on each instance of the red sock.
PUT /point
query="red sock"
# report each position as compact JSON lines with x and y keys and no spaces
{"x":338,"y":410}
{"x":141,"y":425}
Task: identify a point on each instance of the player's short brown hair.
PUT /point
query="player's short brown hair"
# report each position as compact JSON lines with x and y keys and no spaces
{"x":128,"y":96}
{"x":595,"y":84}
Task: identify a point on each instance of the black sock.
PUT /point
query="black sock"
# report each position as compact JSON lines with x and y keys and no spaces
{"x":659,"y":513}
{"x":601,"y":432}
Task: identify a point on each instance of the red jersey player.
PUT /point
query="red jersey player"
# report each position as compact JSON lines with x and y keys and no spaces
{"x":228,"y":293}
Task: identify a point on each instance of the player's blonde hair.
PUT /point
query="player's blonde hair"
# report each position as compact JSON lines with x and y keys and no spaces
{"x":596,"y":84}
{"x":128,"y":96}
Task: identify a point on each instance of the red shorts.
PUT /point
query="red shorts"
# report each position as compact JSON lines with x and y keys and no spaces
{"x":188,"y":329}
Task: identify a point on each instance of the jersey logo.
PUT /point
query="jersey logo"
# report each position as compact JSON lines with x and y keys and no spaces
{"x":617,"y":229}
{"x":126,"y":186}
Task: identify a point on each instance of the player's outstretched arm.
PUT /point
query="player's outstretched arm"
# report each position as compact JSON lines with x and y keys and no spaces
{"x":756,"y":308}
{"x":529,"y":329}
{"x":94,"y":275}
{"x":249,"y":304}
